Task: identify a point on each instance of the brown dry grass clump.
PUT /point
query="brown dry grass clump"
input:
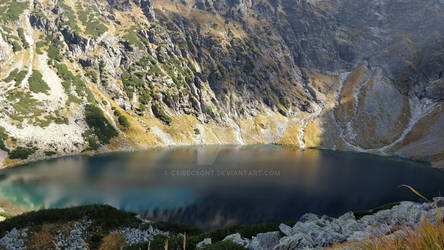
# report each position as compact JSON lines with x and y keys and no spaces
{"x":113,"y":242}
{"x":427,"y":236}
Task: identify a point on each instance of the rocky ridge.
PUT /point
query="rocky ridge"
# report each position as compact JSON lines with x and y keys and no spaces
{"x":310,"y":232}
{"x":98,"y":76}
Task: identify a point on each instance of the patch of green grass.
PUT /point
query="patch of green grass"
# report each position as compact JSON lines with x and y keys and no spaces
{"x":39,"y":46}
{"x":95,"y":27}
{"x":6,"y":215}
{"x":50,"y":153}
{"x":90,"y":137}
{"x":12,"y":10}
{"x":21,"y":34}
{"x":361,"y":213}
{"x":82,"y":13}
{"x":3,"y":137}
{"x":155,"y":70}
{"x":70,"y":80}
{"x":16,"y":76}
{"x":19,"y":77}
{"x":11,"y":75}
{"x":37,"y":84}
{"x":97,"y":122}
{"x":160,"y":113}
{"x":16,"y":46}
{"x":24,"y":105}
{"x":54,"y":48}
{"x":22,"y":152}
{"x":70,"y":18}
{"x":92,"y":75}
{"x":133,"y":38}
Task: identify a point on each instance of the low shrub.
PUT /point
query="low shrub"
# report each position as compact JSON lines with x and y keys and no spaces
{"x":124,"y":121}
{"x":104,"y":216}
{"x":36,"y":83}
{"x":160,"y":113}
{"x":97,"y":122}
{"x":22,"y":153}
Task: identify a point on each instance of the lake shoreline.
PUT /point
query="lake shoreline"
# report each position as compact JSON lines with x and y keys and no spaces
{"x":18,"y":163}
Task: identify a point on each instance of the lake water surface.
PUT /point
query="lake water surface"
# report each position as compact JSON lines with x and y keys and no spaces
{"x":216,"y":186}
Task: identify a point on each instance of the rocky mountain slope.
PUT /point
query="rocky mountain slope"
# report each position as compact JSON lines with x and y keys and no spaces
{"x":96,"y":76}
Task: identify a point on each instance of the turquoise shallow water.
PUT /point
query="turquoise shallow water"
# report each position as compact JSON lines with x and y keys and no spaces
{"x":216,"y":186}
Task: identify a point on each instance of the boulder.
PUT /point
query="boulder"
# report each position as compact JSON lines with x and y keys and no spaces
{"x":264,"y":241}
{"x":206,"y":241}
{"x":237,"y":238}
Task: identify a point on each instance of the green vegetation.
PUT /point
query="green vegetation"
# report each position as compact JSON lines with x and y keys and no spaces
{"x":16,"y":76}
{"x":98,"y":124}
{"x":90,"y":137}
{"x":54,"y":48}
{"x":69,"y":80}
{"x":124,"y":121}
{"x":361,"y":213}
{"x":160,"y":113}
{"x":92,"y":75}
{"x":37,"y":84}
{"x":21,"y":34}
{"x":196,"y":131}
{"x":3,"y":138}
{"x":104,"y":218}
{"x":95,"y":27}
{"x":135,"y":38}
{"x":19,"y":77}
{"x":70,"y":18}
{"x":132,"y":82}
{"x":16,"y":46}
{"x":24,"y":105}
{"x":39,"y":46}
{"x":50,"y":153}
{"x":10,"y":11}
{"x":158,"y":243}
{"x":11,"y":75}
{"x":22,"y":152}
{"x":224,"y":245}
{"x":6,"y":214}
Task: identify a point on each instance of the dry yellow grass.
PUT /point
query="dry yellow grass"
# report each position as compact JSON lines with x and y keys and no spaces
{"x":426,"y":236}
{"x":113,"y":242}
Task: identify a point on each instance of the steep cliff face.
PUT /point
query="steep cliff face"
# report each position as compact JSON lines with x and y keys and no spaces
{"x":96,"y":76}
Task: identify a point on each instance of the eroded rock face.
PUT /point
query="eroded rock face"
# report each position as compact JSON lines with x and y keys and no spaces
{"x":352,"y":75}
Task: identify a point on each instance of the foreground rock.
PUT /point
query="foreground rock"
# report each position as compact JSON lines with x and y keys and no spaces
{"x":311,"y":231}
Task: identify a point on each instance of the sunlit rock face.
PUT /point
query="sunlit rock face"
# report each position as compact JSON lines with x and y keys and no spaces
{"x":343,"y":74}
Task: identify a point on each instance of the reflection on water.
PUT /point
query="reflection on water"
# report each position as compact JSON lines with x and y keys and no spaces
{"x":215,"y":186}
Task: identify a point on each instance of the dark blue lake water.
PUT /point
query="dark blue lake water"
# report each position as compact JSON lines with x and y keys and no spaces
{"x":216,"y":186}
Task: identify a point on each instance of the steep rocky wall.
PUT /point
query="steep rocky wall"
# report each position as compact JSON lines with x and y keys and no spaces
{"x":123,"y":75}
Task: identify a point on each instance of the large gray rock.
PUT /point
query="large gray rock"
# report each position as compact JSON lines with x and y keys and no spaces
{"x":204,"y":242}
{"x":237,"y":238}
{"x":264,"y":241}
